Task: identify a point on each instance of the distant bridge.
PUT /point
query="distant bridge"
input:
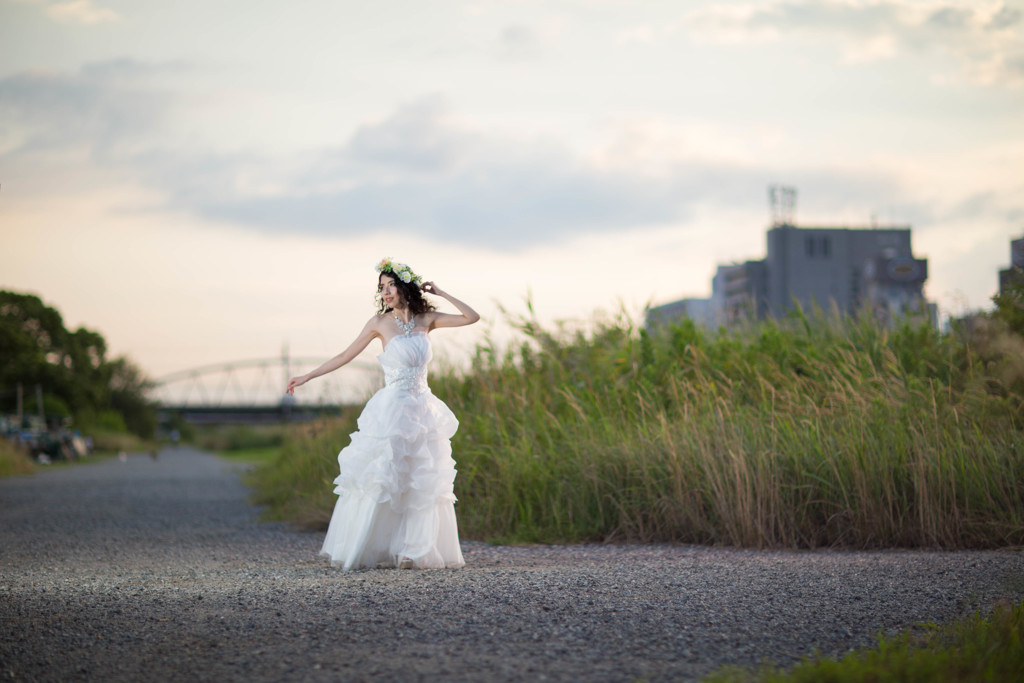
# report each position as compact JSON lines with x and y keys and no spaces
{"x":253,"y":391}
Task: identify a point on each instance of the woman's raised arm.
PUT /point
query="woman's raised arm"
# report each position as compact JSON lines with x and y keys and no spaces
{"x":467,"y":316}
{"x":354,"y":349}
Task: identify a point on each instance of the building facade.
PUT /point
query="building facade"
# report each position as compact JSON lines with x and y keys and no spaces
{"x":1016,"y":269}
{"x":848,"y":268}
{"x":826,"y":266}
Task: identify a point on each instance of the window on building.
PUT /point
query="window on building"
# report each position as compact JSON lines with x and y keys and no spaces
{"x":818,"y":246}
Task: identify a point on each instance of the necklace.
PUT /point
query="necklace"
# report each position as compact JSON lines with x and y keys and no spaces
{"x":405,"y":327}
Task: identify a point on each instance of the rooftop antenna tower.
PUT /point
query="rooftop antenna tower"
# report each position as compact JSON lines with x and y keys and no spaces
{"x":782,"y":200}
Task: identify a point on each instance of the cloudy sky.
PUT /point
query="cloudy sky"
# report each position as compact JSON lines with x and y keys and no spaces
{"x":207,"y":181}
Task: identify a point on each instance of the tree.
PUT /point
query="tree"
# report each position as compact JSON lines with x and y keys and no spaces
{"x":1010,"y":302}
{"x":36,"y":348}
{"x":128,"y":387}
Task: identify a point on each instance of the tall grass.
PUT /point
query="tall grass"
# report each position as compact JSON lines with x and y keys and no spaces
{"x":238,"y":437}
{"x":298,"y":485}
{"x":803,"y":433}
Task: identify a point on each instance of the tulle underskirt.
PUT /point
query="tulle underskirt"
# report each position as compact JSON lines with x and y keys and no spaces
{"x":396,"y":487}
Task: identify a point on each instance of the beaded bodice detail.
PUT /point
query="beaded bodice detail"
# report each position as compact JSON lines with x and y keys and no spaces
{"x":410,"y":379}
{"x":405,"y":362}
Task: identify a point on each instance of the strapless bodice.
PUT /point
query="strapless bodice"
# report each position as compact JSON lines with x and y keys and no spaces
{"x":405,"y":361}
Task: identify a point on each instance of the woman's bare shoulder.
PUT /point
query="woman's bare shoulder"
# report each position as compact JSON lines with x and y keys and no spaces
{"x":372,"y":326}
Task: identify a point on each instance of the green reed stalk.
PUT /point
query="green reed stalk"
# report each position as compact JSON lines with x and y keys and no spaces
{"x":829,"y":433}
{"x":817,"y":431}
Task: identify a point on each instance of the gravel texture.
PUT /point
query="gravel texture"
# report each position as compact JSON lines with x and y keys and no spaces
{"x":160,"y":570}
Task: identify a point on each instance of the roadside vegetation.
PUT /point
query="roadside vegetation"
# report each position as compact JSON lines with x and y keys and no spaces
{"x":809,"y":432}
{"x":71,"y":367}
{"x":66,"y":387}
{"x":297,"y":486}
{"x":245,"y":444}
{"x":13,"y":460}
{"x":803,"y":433}
{"x":972,"y":649}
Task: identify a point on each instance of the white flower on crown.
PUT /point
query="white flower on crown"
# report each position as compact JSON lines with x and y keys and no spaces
{"x":399,"y":270}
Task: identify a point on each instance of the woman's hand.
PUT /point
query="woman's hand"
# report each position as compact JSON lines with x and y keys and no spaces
{"x":294,"y":383}
{"x":431,"y":288}
{"x":467,"y":316}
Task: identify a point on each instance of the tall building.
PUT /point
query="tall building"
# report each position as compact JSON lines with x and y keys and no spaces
{"x":850,"y":268}
{"x":846,"y":267}
{"x":1016,"y":269}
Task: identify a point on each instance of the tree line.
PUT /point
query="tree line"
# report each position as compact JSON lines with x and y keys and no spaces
{"x":77,"y":378}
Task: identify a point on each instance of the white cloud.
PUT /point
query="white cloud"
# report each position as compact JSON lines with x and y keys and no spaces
{"x":81,"y":12}
{"x":519,"y":41}
{"x":637,"y":34}
{"x":420,"y":170}
{"x":874,"y":48}
{"x":109,"y":106}
{"x":425,"y":170}
{"x":422,"y":137}
{"x":984,"y":39}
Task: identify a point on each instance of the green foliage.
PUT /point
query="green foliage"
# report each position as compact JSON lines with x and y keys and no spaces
{"x":71,"y":366}
{"x":297,"y":485}
{"x":128,"y":387}
{"x":14,"y":460}
{"x":991,"y":348}
{"x":810,"y":432}
{"x":973,"y":649}
{"x":252,"y":456}
{"x":187,"y":432}
{"x":239,"y":437}
{"x":803,"y":433}
{"x":110,"y":442}
{"x":53,"y":406}
{"x":1010,"y":303}
{"x":107,"y":421}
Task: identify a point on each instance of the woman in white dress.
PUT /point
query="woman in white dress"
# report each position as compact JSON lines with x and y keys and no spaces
{"x":395,"y":490}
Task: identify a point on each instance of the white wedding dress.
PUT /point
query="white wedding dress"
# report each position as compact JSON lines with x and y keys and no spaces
{"x":396,"y":499}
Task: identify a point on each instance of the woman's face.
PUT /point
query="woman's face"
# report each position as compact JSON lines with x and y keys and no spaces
{"x":389,"y":291}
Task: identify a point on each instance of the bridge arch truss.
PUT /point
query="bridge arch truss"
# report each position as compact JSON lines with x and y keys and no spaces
{"x":261,"y":382}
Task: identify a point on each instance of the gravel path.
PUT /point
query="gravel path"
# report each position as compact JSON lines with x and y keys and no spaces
{"x":148,"y":569}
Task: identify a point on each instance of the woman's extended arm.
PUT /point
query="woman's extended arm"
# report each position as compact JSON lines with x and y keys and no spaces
{"x":346,"y":356}
{"x":467,"y":316}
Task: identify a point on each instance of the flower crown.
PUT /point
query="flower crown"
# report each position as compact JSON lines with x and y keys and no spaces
{"x":399,"y":270}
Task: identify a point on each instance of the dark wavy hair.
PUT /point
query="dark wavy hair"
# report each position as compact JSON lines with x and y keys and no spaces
{"x":409,"y":291}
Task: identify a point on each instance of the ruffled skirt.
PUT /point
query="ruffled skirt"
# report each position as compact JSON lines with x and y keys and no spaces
{"x":396,"y":487}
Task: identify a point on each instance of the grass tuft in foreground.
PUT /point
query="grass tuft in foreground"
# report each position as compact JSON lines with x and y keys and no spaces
{"x":973,"y":649}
